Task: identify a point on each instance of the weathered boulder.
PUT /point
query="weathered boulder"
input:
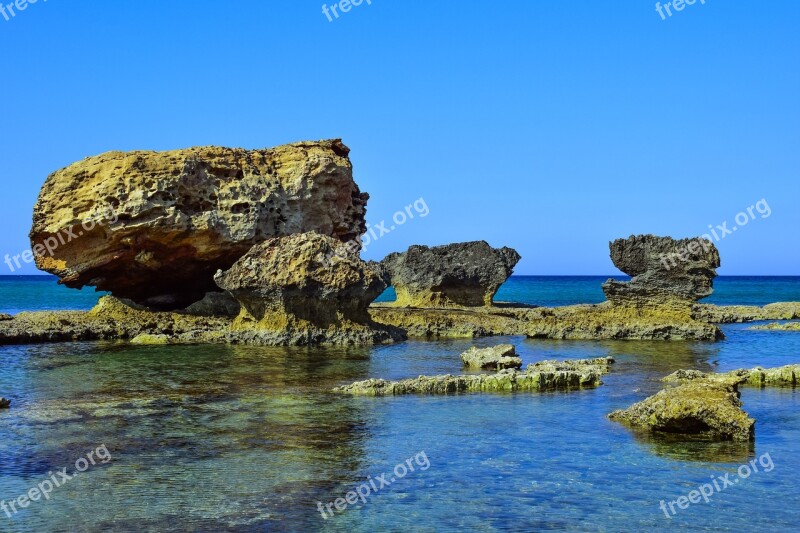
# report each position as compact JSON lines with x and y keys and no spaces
{"x":154,"y":227}
{"x":306,"y":284}
{"x":665,"y":271}
{"x":456,"y":275}
{"x":493,"y":358}
{"x":699,"y":409}
{"x":539,"y":377}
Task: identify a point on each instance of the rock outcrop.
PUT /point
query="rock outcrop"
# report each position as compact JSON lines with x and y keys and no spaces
{"x":665,"y":272}
{"x":698,"y":409}
{"x":305,"y":286}
{"x":456,"y":275}
{"x":493,"y":358}
{"x":154,"y":227}
{"x":539,"y":377}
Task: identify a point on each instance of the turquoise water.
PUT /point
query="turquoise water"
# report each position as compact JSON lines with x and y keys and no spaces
{"x":232,"y":438}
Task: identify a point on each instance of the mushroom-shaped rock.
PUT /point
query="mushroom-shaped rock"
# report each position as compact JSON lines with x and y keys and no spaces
{"x":664,"y":271}
{"x":456,"y":275}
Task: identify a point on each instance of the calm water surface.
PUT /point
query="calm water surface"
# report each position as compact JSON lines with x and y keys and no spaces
{"x":230,"y":438}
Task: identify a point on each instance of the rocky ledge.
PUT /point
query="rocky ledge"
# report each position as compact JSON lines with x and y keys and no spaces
{"x":577,"y":322}
{"x":702,"y":409}
{"x":538,"y":377}
{"x":729,"y":314}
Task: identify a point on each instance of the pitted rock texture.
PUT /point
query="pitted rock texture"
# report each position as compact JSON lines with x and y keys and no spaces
{"x":307,"y":283}
{"x":154,"y":227}
{"x":664,"y":271}
{"x":456,"y":275}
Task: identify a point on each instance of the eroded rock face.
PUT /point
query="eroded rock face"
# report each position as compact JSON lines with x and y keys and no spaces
{"x":699,"y":408}
{"x":154,"y":227}
{"x":456,"y":275}
{"x":665,"y":271}
{"x":307,"y":283}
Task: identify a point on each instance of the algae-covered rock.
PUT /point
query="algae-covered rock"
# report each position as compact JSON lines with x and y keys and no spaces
{"x":493,"y":358}
{"x":784,"y":376}
{"x":549,"y":376}
{"x":147,"y":338}
{"x":154,"y":227}
{"x":664,"y":271}
{"x":456,"y":275}
{"x":699,"y":408}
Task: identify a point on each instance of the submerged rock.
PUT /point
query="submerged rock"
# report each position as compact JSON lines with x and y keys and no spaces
{"x":699,"y":408}
{"x":494,"y":358}
{"x":154,"y":227}
{"x":544,"y":376}
{"x":5,"y":403}
{"x":456,"y":275}
{"x":665,"y":271}
{"x":306,"y":286}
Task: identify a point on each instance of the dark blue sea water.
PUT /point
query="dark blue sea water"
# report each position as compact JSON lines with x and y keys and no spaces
{"x":232,"y":438}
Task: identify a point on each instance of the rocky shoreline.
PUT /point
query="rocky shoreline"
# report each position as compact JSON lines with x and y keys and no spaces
{"x":226,"y":245}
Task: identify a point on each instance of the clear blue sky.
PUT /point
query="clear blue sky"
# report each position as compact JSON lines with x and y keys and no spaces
{"x":549,"y":126}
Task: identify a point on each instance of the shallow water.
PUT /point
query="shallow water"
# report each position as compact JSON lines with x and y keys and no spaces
{"x":231,"y":438}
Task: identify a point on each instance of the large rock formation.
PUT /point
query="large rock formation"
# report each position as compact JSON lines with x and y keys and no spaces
{"x":309,"y":287}
{"x":456,"y":275}
{"x":665,"y":271}
{"x":154,"y":227}
{"x":707,"y":409}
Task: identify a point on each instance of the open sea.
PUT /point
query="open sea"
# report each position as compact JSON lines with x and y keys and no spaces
{"x":236,"y":438}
